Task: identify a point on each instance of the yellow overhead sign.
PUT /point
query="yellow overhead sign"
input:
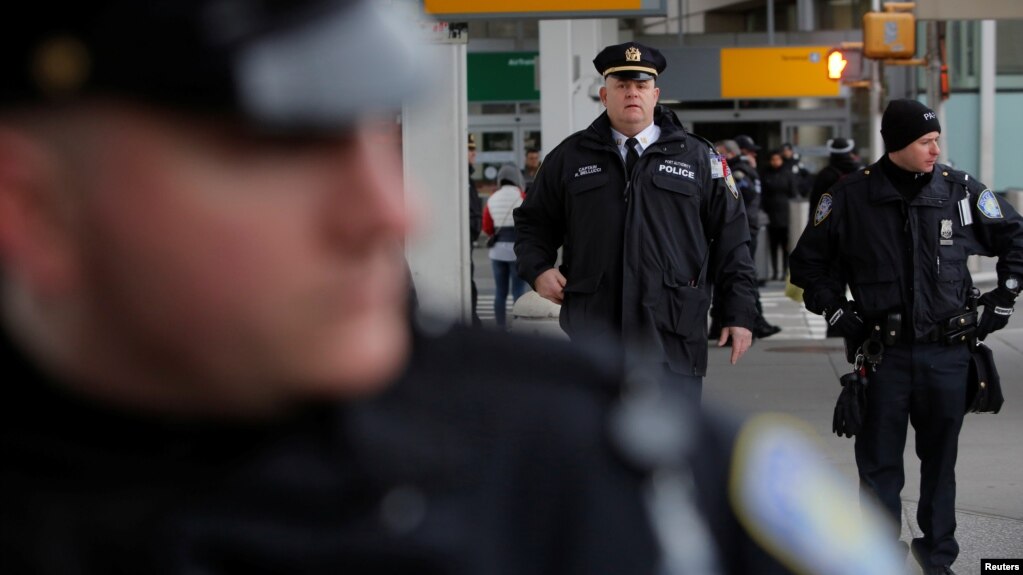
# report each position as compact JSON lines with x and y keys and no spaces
{"x":543,"y":8}
{"x":776,"y":72}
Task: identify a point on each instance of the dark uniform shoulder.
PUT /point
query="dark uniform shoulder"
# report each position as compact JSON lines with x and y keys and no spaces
{"x":535,"y":362}
{"x":703,"y":141}
{"x":955,"y":176}
{"x":857,"y":176}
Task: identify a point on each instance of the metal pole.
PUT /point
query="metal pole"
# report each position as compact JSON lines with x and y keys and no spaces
{"x":681,"y":34}
{"x":876,"y":144}
{"x":987,"y":102}
{"x":770,"y":22}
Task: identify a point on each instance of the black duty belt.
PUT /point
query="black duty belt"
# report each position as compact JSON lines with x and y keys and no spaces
{"x":950,"y":331}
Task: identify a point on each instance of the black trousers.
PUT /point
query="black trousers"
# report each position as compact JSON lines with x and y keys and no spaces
{"x":778,"y":242}
{"x":922,"y":384}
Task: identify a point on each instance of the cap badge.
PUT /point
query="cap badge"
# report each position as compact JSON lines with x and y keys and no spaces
{"x":61,"y":66}
{"x":633,"y":54}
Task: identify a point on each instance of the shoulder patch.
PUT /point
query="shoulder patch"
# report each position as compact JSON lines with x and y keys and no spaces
{"x":823,"y":209}
{"x":803,"y":511}
{"x":729,"y":181}
{"x":987,"y":203}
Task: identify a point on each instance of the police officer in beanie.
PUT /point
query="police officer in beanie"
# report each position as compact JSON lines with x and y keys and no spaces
{"x":209,"y":365}
{"x":899,"y":233}
{"x":640,"y":206}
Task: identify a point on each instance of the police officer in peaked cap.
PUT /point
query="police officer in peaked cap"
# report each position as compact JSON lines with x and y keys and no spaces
{"x":899,"y":233}
{"x":649,"y":218}
{"x":209,"y":364}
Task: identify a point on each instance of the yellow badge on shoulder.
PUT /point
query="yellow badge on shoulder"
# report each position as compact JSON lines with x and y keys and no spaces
{"x":801,"y":510}
{"x":823,"y":209}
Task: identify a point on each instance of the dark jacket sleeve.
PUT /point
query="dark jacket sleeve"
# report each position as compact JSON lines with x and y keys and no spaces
{"x":821,"y":183}
{"x":540,"y":220}
{"x":732,"y":271}
{"x":812,"y":262}
{"x":999,"y":237}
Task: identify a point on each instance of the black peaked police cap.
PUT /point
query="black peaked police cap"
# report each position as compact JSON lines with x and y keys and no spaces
{"x":630,"y":60}
{"x":279,"y":64}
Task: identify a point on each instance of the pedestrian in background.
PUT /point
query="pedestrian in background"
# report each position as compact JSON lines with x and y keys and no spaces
{"x":475,"y":227}
{"x":742,"y":164}
{"x":499,"y":224}
{"x":530,"y":167}
{"x":794,"y":163}
{"x":842,"y":161}
{"x":899,"y":234}
{"x":648,"y":220}
{"x":779,"y":186}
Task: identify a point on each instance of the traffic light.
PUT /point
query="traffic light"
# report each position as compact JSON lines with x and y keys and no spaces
{"x":836,"y":64}
{"x":889,"y":35}
{"x":845,"y":64}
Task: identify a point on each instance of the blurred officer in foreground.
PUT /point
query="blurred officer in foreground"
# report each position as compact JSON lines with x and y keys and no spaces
{"x":899,"y":233}
{"x":209,"y":365}
{"x":640,"y":207}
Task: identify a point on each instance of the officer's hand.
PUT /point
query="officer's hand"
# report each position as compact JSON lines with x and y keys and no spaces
{"x":742,"y":338}
{"x":846,"y":321}
{"x":551,"y":285}
{"x":997,"y":310}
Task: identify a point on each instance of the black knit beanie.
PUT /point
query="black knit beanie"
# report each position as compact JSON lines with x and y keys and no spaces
{"x":904,"y":121}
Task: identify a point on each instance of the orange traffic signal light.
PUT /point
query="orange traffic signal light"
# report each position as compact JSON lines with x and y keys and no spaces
{"x":836,"y":64}
{"x":845,"y":63}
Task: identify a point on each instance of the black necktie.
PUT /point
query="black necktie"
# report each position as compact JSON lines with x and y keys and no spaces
{"x":631,"y":155}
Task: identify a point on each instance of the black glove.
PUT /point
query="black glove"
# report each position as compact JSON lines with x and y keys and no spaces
{"x":851,"y":407}
{"x":997,"y":310}
{"x":846,"y":321}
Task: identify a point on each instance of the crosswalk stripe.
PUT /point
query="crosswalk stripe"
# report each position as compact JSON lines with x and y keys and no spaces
{"x":796,"y":322}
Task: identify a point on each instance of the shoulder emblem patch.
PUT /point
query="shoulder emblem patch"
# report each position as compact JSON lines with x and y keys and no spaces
{"x":987,"y":203}
{"x":823,"y":209}
{"x":801,"y":510}
{"x":729,"y":180}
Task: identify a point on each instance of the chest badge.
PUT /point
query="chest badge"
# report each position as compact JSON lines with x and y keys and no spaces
{"x":987,"y":203}
{"x":946,"y":232}
{"x":823,"y":209}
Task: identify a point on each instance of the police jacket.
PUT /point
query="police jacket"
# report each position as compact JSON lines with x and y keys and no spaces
{"x":636,"y":250}
{"x":904,"y":256}
{"x":444,"y":473}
